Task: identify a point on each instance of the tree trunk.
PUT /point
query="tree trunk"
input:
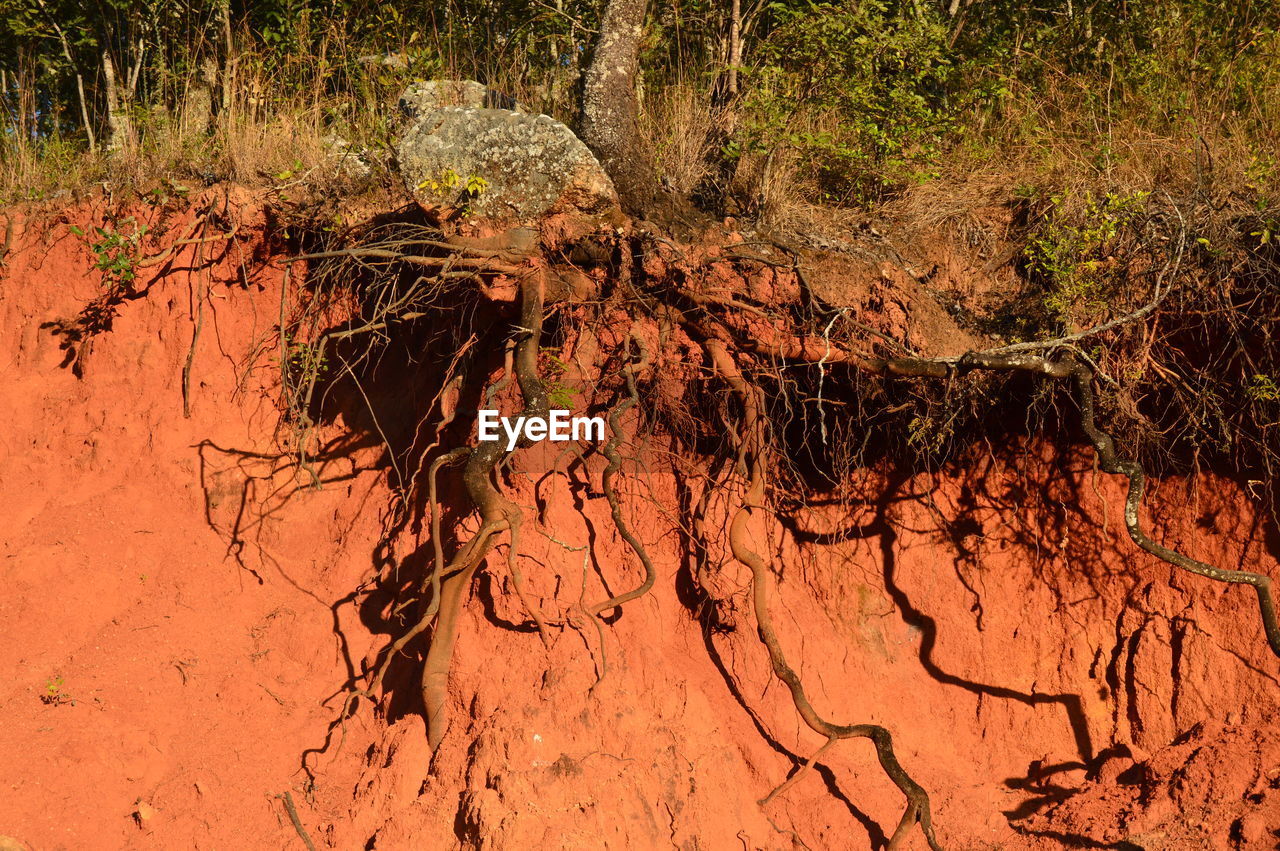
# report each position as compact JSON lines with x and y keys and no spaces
{"x":7,"y":113}
{"x":735,"y":45}
{"x":610,"y":107}
{"x":84,"y":113}
{"x":119,"y":122}
{"x":229,"y":47}
{"x":25,"y":81}
{"x":84,"y":102}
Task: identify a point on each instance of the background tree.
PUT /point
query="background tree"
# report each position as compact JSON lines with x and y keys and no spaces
{"x":609,"y":105}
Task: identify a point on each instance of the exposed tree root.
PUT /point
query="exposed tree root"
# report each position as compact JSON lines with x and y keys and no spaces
{"x":454,"y":586}
{"x":297,"y":822}
{"x":7,"y":244}
{"x":198,"y":297}
{"x":496,"y":512}
{"x":433,"y":506}
{"x":739,"y":536}
{"x":491,"y":262}
{"x":1110,"y":462}
{"x":610,"y":492}
{"x":516,"y":523}
{"x":793,"y":348}
{"x":201,"y":221}
{"x":610,"y":451}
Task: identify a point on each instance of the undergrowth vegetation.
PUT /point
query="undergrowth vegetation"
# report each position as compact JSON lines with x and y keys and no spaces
{"x":857,"y":103}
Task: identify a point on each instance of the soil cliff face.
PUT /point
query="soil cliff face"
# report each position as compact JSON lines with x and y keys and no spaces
{"x":184,"y":608}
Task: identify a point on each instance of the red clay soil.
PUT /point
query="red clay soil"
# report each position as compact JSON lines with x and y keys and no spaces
{"x":1049,"y":685}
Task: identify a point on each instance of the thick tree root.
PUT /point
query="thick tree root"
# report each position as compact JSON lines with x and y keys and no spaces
{"x":496,"y":512}
{"x":435,"y":669}
{"x":917,"y":810}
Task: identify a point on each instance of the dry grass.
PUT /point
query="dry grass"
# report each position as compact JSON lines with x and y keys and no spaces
{"x":33,"y":172}
{"x":1035,"y":145}
{"x":679,"y":126}
{"x":1054,"y":141}
{"x":264,"y":137}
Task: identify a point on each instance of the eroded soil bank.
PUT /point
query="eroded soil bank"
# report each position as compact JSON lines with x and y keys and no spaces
{"x":183,"y":609}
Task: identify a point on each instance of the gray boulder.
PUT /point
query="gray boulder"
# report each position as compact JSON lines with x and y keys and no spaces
{"x":425,"y":95}
{"x":501,"y":165}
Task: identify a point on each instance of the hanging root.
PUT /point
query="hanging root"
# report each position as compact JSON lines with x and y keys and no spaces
{"x":454,"y":585}
{"x":496,"y":512}
{"x":432,"y":581}
{"x":7,"y":245}
{"x":1108,"y":460}
{"x":615,"y":504}
{"x":739,"y":534}
{"x":517,"y":577}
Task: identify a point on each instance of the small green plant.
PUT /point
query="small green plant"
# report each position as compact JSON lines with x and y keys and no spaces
{"x":559,"y":394}
{"x":291,"y":172}
{"x":305,"y":359}
{"x":167,"y":190}
{"x":1263,"y":388}
{"x":117,"y":251}
{"x":928,"y":435}
{"x":1069,"y":252}
{"x":449,"y":182}
{"x":54,"y":695}
{"x":1266,"y":231}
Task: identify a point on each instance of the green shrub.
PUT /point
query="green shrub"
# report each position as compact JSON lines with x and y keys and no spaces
{"x":1069,"y":253}
{"x":861,"y":90}
{"x":117,"y":253}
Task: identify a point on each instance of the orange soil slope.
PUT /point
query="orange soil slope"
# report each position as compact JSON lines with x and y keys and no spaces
{"x":1049,"y":685}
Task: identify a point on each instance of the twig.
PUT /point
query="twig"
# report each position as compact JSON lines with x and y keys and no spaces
{"x":1146,"y":310}
{"x":485,"y":262}
{"x":197,"y":320}
{"x":176,"y":244}
{"x":297,"y":822}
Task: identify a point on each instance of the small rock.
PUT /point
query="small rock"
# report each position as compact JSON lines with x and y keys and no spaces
{"x":143,"y":812}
